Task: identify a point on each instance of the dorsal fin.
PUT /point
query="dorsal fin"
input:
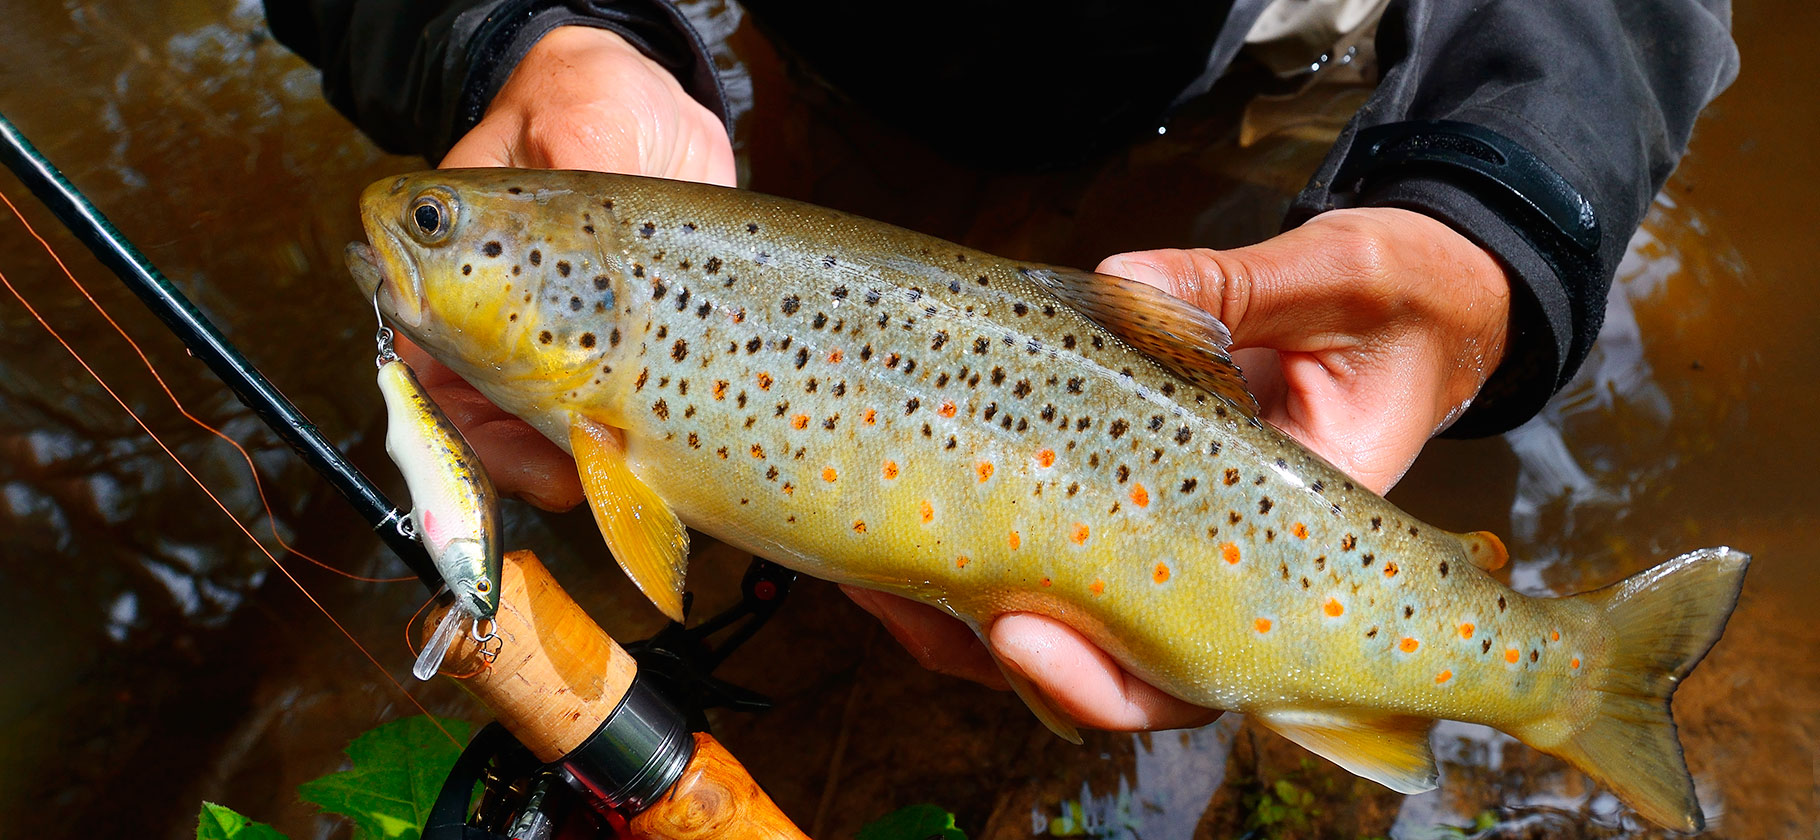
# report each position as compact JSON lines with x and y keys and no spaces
{"x":1179,"y":335}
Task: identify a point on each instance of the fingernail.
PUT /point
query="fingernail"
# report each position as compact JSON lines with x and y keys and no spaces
{"x":1141,"y":272}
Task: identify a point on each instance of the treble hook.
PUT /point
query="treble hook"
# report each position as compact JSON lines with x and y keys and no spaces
{"x":382,"y":339}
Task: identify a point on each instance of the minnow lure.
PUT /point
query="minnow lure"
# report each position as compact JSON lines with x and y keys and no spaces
{"x":882,"y":408}
{"x":455,"y":510}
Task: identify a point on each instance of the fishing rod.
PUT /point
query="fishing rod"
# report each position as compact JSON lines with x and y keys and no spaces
{"x":623,"y":748}
{"x":205,"y":342}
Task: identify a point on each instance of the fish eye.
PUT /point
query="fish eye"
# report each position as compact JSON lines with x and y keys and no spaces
{"x":431,"y":218}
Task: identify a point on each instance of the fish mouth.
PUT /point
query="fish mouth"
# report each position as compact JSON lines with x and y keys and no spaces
{"x":398,"y":293}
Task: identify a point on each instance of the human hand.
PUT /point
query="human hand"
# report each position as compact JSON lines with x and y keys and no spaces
{"x":582,"y":98}
{"x":1367,"y":331}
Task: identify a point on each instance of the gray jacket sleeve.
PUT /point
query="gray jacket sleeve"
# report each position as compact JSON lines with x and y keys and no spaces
{"x":1603,"y":92}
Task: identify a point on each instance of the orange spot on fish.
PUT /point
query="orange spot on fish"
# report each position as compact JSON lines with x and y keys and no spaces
{"x":1554,"y":635}
{"x":890,"y":469}
{"x":764,"y":381}
{"x":871,"y":417}
{"x":1047,"y":582}
{"x":828,"y":474}
{"x":959,"y":562}
{"x":984,"y":470}
{"x":800,"y":421}
{"x":1230,"y":553}
{"x":947,"y":409}
{"x":720,"y":389}
{"x":1466,"y":629}
{"x":1015,"y":540}
{"x":1160,"y":574}
{"x":1390,"y":570}
{"x":1097,"y":587}
{"x":1333,"y":607}
{"x":1045,"y":458}
{"x":1078,"y":536}
{"x":1262,"y":625}
{"x":789,"y":489}
{"x":1299,"y":530}
{"x":1575,"y":664}
{"x":859,"y":527}
{"x":1444,"y":676}
{"x":1140,"y":496}
{"x":758,"y":451}
{"x":928,"y":512}
{"x":835,"y":357}
{"x":1511,"y":655}
{"x":1408,"y":645}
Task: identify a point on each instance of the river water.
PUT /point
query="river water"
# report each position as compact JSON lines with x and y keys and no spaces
{"x":165,"y":662}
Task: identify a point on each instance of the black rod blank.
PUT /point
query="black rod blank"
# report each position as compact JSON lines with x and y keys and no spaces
{"x":207,"y":344}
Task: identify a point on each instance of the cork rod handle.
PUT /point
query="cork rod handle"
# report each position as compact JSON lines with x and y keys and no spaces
{"x":557,"y":676}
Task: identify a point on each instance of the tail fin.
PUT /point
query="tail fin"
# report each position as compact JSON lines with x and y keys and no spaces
{"x":1663,"y":621}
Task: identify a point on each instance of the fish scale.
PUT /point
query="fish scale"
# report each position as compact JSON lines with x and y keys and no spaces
{"x":881,"y":408}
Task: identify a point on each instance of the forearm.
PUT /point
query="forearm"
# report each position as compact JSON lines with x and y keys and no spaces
{"x":1603,"y":93}
{"x":416,"y":76}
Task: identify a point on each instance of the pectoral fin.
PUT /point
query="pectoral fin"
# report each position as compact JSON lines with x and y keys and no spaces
{"x":1391,"y":750}
{"x":1183,"y":337}
{"x":644,"y":535}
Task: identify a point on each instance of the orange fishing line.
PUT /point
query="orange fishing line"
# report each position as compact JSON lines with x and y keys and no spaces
{"x":218,"y":503}
{"x":271,"y":518}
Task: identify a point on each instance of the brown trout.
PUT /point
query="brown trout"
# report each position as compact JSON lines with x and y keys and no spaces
{"x":877,"y":407}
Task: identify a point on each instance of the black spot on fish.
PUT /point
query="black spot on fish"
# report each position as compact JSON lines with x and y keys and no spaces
{"x":762,"y":258}
{"x":1348,"y":542}
{"x":545,"y":337}
{"x":990,"y":412}
{"x":1264,"y":506}
{"x":1156,"y":422}
{"x":751,"y":227}
{"x":1169,"y":389}
{"x":821,"y":320}
{"x":1183,"y":435}
{"x":1019,"y":309}
{"x":1409,"y":611}
{"x":1373,"y":633}
{"x":658,"y":290}
{"x":574,"y":304}
{"x":1048,"y":413}
{"x":1074,"y":384}
{"x":467,"y":268}
{"x":1500,"y":603}
{"x":983,"y":281}
{"x":1068,"y":342}
{"x":679,"y":350}
{"x":645,"y":230}
{"x":1021,"y":389}
{"x":1118,"y":428}
{"x":753,"y":344}
{"x":1377,"y":522}
{"x":536,"y":257}
{"x":1074,"y":488}
{"x":492,"y":249}
{"x":1316,"y":487}
{"x":1124,"y":473}
{"x":954,"y":286}
{"x":865,"y":353}
{"x":703,"y":310}
{"x":515,"y":190}
{"x":1443,"y":568}
{"x":1081,"y":423}
{"x":601,"y":282}
{"x":1188,"y":485}
{"x":613,"y":338}
{"x":712,"y":265}
{"x":694,"y":439}
{"x":1534,"y":654}
{"x":1099,"y":342}
{"x":661,"y":409}
{"x":682,"y":300}
{"x":1485,"y":646}
{"x":802,"y":357}
{"x":791,"y":304}
{"x":927,"y":432}
{"x":911,"y":405}
{"x":587,"y":340}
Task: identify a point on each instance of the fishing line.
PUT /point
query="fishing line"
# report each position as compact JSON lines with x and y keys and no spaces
{"x":218,"y":503}
{"x":258,"y":485}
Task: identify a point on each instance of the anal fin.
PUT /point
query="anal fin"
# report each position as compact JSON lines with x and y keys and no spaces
{"x":646,"y":538}
{"x":1391,"y":750}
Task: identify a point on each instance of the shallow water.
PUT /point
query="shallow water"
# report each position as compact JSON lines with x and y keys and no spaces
{"x":165,"y":663}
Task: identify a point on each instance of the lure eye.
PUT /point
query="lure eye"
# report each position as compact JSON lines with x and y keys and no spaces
{"x":482,"y":587}
{"x":431,"y":219}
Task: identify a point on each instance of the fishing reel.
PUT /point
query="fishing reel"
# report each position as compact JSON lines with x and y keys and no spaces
{"x":637,"y":753}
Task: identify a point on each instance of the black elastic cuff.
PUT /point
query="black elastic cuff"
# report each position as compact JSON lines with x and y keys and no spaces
{"x":655,"y":28}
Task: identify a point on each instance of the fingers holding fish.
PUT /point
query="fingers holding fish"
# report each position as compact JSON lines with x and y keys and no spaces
{"x":937,"y":640}
{"x":522,"y":462}
{"x":1383,"y":325}
{"x":584,"y":98}
{"x":1086,"y":683}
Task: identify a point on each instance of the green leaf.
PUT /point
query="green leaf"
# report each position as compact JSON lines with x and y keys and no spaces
{"x":398,"y":769}
{"x":917,"y":822}
{"x":219,"y":822}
